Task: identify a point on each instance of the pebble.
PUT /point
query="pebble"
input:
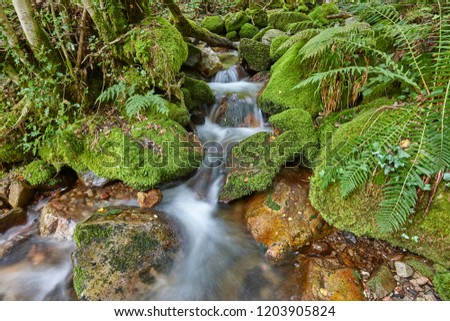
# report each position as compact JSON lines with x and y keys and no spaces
{"x":324,"y":292}
{"x":104,"y":196}
{"x":403,"y":269}
{"x":349,"y":237}
{"x":90,"y":193}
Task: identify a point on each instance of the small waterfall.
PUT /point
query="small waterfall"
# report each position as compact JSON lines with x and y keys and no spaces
{"x":218,"y":256}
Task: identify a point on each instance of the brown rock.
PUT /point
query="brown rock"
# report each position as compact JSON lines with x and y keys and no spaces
{"x":149,"y":199}
{"x":284,"y":217}
{"x":320,"y":249}
{"x":58,"y":221}
{"x":10,"y":218}
{"x":382,"y":282}
{"x":20,"y":194}
{"x":210,"y":63}
{"x":323,"y":281}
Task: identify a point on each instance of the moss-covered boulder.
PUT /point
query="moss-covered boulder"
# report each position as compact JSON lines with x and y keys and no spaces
{"x":276,"y":54}
{"x":270,"y":35}
{"x":280,"y":95}
{"x":280,"y":20}
{"x":214,"y":24}
{"x":9,"y":150}
{"x":235,"y":20}
{"x":259,"y":36}
{"x":39,"y":173}
{"x":258,"y":17}
{"x":197,"y":93}
{"x":427,"y":235}
{"x":248,"y":31}
{"x":159,"y":48}
{"x":294,"y":119}
{"x":232,"y":35}
{"x":121,"y":253}
{"x":143,"y":155}
{"x":255,"y":54}
{"x":320,"y":13}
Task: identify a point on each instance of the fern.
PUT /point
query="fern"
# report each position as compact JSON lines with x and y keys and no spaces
{"x":150,"y":101}
{"x":303,"y":35}
{"x":294,"y":28}
{"x":115,"y":92}
{"x":425,"y":122}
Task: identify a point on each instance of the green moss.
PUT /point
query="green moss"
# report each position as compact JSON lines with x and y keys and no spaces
{"x":256,"y":54}
{"x":320,"y":13}
{"x":85,"y":234}
{"x":79,"y":280}
{"x":357,"y":213}
{"x":442,"y":284}
{"x":159,"y":48}
{"x":422,"y":267}
{"x":276,"y":54}
{"x":214,"y":24}
{"x":177,"y":112}
{"x":197,"y":93}
{"x":232,"y":35}
{"x":248,"y":31}
{"x":235,"y":20}
{"x":260,"y":34}
{"x":281,"y":20}
{"x":258,"y":17}
{"x":10,"y":153}
{"x":270,"y":203}
{"x":279,"y":94}
{"x":39,"y":172}
{"x":128,"y":257}
{"x":294,"y":119}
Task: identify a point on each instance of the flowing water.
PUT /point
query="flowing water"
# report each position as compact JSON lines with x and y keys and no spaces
{"x":219,"y":260}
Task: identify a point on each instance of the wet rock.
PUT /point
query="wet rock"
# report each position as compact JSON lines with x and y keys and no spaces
{"x":262,"y":76}
{"x":4,"y":188}
{"x":210,"y":63}
{"x":283,"y":219}
{"x":403,"y":270}
{"x":320,"y":249}
{"x":121,"y":253}
{"x":58,"y":220}
{"x":323,"y":281}
{"x":194,"y":55}
{"x":198,"y":118}
{"x":270,"y":35}
{"x":12,"y":217}
{"x":4,"y":202}
{"x":90,"y":179}
{"x":149,"y":199}
{"x":21,"y":194}
{"x":382,"y":282}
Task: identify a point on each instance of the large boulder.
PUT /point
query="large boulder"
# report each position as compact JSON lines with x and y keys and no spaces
{"x":427,"y":235}
{"x":280,"y":19}
{"x":197,"y":93}
{"x":255,"y":54}
{"x":248,"y":31}
{"x":121,"y":253}
{"x":280,"y":95}
{"x":282,"y":219}
{"x":258,"y":17}
{"x":159,"y":48}
{"x":235,"y":21}
{"x":270,"y":35}
{"x":143,"y":155}
{"x":214,"y":24}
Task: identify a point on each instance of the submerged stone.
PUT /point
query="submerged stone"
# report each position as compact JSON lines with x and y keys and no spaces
{"x":121,"y":253}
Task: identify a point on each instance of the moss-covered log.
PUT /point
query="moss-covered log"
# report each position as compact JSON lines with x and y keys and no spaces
{"x":189,"y":28}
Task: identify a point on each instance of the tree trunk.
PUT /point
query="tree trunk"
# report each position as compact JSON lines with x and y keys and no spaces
{"x":191,"y":29}
{"x":10,"y":33}
{"x":106,"y":32}
{"x":36,"y":37}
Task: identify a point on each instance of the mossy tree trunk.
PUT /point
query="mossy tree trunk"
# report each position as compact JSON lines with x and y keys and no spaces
{"x":104,"y":29}
{"x":189,"y":28}
{"x":38,"y":40}
{"x":10,"y":33}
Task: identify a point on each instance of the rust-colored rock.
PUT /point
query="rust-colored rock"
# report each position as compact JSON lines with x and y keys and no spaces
{"x":149,"y":199}
{"x":283,"y":218}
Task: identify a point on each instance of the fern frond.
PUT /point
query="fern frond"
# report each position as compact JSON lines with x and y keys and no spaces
{"x":112,"y":93}
{"x":293,"y":28}
{"x":303,"y":35}
{"x":151,"y":101}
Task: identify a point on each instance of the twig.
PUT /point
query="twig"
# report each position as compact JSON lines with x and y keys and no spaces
{"x":81,"y":39}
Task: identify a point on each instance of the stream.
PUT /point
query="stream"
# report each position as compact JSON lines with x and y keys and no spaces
{"x":220,"y":260}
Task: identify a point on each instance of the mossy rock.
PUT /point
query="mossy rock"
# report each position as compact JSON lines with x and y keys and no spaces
{"x":258,"y":159}
{"x":233,"y":35}
{"x":276,"y":54}
{"x":258,"y":17}
{"x":320,"y":13}
{"x":255,"y":54}
{"x":235,"y":21}
{"x":142,"y":155}
{"x":357,"y":213}
{"x":164,"y":62}
{"x":9,"y":150}
{"x":214,"y":24}
{"x":197,"y":93}
{"x":261,"y":33}
{"x":260,"y":4}
{"x":280,"y":95}
{"x":281,"y":20}
{"x":39,"y":173}
{"x":442,"y":284}
{"x":121,"y":253}
{"x":248,"y":31}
